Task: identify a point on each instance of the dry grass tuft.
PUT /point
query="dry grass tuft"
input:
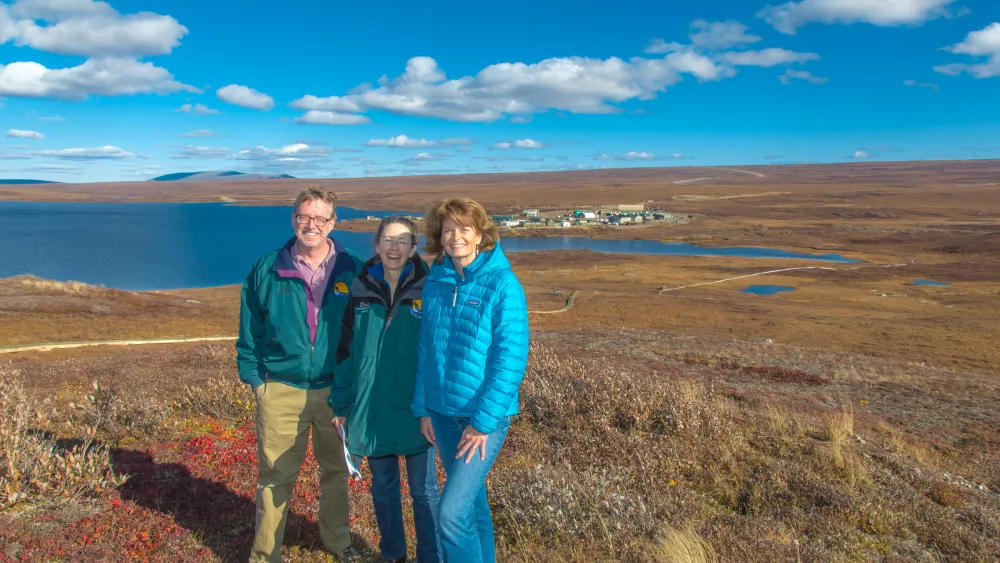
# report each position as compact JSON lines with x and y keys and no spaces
{"x":223,"y":397}
{"x":32,"y":282}
{"x":677,"y":546}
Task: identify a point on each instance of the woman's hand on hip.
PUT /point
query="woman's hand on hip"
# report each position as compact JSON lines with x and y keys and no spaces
{"x":427,"y":429}
{"x":471,"y":440}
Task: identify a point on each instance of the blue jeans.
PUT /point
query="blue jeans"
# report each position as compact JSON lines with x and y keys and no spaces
{"x":386,"y":497}
{"x":466,"y":525}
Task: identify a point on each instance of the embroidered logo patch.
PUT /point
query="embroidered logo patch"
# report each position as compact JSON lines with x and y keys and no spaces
{"x":474,"y":302}
{"x":340,"y":289}
{"x":417,"y":308}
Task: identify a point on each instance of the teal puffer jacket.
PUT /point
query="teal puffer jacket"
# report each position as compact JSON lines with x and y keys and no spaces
{"x":473,"y":347}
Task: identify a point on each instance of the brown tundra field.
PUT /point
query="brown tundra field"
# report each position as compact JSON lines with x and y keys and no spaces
{"x":665,"y":417}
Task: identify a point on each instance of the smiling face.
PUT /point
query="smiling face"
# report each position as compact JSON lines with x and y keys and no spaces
{"x":306,"y":219}
{"x":395,"y":246}
{"x":459,"y":241}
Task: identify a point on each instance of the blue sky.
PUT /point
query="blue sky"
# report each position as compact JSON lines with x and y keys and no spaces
{"x":128,"y":90}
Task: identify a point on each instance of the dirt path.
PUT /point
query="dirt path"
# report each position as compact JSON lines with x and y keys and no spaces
{"x":569,"y":303}
{"x":56,"y":345}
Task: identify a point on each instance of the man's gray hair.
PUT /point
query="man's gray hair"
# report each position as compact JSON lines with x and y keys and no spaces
{"x":317,"y":193}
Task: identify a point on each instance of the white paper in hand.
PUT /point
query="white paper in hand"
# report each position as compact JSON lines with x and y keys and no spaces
{"x":355,"y":474}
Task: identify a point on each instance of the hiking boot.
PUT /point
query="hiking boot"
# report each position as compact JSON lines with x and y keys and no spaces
{"x":348,"y":555}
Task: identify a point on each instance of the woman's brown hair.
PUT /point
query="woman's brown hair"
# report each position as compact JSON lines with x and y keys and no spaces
{"x":464,"y":212}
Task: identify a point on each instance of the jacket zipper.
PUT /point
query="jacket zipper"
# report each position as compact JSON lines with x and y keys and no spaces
{"x":454,"y":297}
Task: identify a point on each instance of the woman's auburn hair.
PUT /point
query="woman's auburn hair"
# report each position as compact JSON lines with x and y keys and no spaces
{"x":464,"y":212}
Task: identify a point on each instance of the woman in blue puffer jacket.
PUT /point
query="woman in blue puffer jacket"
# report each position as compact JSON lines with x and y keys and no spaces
{"x":471,"y":357}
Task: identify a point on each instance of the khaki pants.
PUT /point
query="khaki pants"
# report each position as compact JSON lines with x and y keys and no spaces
{"x":284,"y":416}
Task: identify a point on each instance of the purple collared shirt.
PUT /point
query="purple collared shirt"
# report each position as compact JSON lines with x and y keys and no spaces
{"x":317,"y":280}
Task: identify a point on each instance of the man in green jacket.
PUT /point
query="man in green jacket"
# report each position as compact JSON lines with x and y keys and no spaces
{"x":291,"y":308}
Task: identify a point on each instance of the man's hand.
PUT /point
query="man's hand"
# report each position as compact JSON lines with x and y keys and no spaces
{"x":427,"y":429}
{"x":472,"y":439}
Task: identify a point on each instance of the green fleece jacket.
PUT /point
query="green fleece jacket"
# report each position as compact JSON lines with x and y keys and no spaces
{"x":377,"y":362}
{"x":278,"y":340}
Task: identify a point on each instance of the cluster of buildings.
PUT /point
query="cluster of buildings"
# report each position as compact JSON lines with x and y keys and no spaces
{"x":624,"y":214}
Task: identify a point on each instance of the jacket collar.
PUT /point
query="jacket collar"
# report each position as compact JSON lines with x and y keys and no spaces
{"x":284,"y":265}
{"x":495,"y":259}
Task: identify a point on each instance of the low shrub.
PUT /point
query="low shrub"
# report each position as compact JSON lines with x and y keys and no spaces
{"x":34,"y":465}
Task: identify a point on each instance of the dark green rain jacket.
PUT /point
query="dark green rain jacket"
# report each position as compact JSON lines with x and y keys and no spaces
{"x":376,"y":368}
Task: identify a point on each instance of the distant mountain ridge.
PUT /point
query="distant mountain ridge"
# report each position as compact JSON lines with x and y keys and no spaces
{"x":206,"y":176}
{"x":15,"y":181}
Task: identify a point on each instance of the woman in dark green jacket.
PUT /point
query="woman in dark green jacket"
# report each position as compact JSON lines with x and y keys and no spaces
{"x":374,"y":382}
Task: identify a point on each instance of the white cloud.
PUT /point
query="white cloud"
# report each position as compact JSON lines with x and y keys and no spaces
{"x":332,"y":103}
{"x":766,"y":57}
{"x":103,"y":77}
{"x":319,"y":117}
{"x":88,"y":28}
{"x":860,"y":154}
{"x":202,"y":133}
{"x":244,"y":96}
{"x":930,"y":85}
{"x":293,"y":151}
{"x":197,"y":109}
{"x":422,"y":157}
{"x":633,"y":155}
{"x":191,"y":152}
{"x":659,"y":47}
{"x":107,"y":152}
{"x":713,"y":36}
{"x":23,"y":134}
{"x":701,"y":66}
{"x":720,"y":35}
{"x":521,"y":144}
{"x":677,"y":156}
{"x":638,"y":156}
{"x":401,"y":141}
{"x":793,"y":75}
{"x":788,"y":17}
{"x":982,"y":43}
{"x":573,"y":84}
{"x":51,"y":118}
{"x":53,"y":168}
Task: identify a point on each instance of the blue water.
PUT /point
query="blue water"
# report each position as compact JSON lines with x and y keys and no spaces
{"x":928,"y":282}
{"x":766,"y":289}
{"x":140,"y":246}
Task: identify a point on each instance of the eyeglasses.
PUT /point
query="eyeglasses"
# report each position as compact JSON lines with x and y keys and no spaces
{"x":404,"y":240}
{"x":304,"y":220}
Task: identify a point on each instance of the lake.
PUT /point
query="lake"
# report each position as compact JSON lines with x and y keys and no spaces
{"x":142,"y":246}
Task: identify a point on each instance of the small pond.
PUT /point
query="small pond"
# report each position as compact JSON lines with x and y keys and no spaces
{"x":929,"y":282}
{"x":766,"y":289}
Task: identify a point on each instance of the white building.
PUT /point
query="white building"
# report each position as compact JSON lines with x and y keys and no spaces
{"x":530,"y":213}
{"x":511,"y":223}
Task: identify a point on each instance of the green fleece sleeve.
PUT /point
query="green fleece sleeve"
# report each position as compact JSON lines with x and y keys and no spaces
{"x":250,"y":345}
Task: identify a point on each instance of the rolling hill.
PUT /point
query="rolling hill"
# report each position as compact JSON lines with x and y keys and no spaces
{"x":207,"y":176}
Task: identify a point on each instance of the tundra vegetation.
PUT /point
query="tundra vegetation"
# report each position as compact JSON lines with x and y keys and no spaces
{"x":632,"y":446}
